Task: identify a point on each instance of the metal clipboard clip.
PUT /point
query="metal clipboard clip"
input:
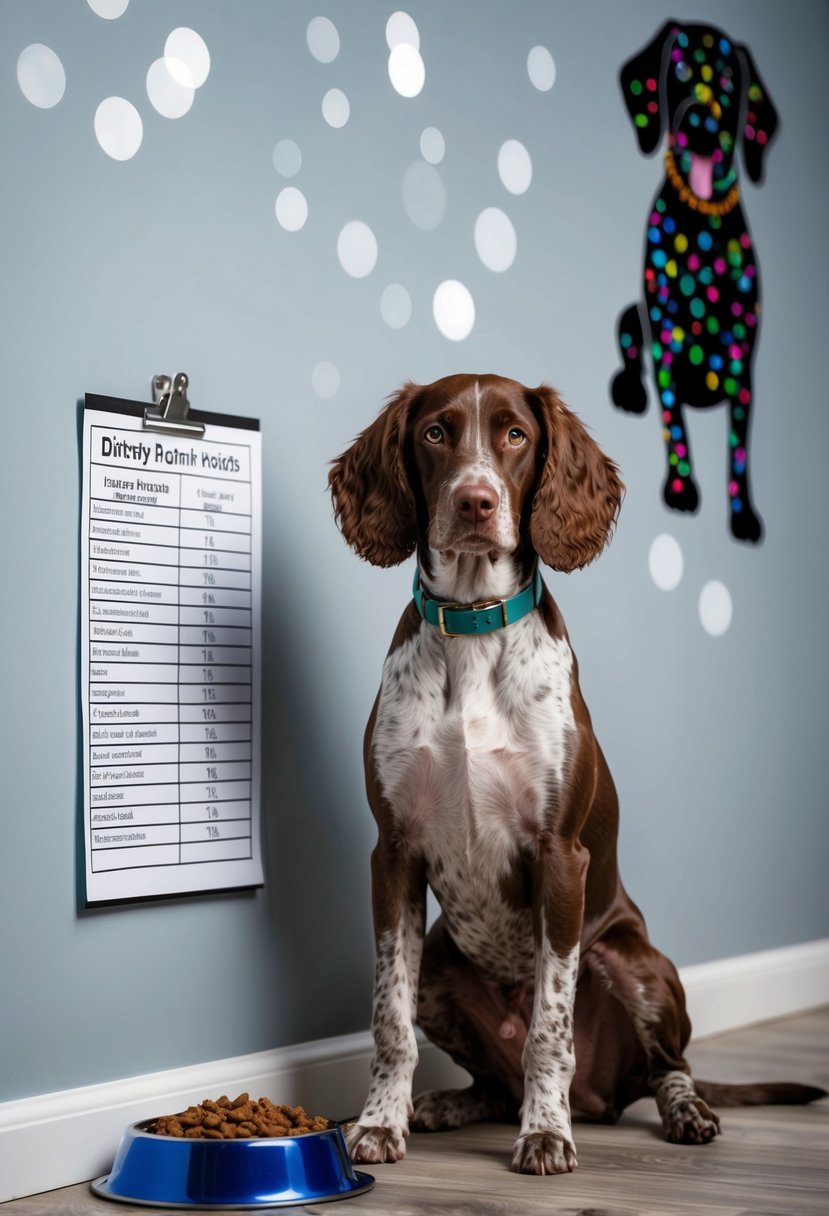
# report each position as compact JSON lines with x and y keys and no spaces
{"x":170,"y":414}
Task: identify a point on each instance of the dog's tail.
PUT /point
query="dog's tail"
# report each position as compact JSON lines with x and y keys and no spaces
{"x":627,"y":388}
{"x":761,"y":1093}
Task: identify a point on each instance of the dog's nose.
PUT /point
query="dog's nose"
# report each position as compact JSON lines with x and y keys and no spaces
{"x":475,"y":504}
{"x":701,"y":129}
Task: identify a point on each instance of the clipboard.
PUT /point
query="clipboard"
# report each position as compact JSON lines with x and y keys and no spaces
{"x":170,"y":663}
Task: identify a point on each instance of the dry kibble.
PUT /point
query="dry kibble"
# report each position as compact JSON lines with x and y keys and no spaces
{"x":240,"y":1119}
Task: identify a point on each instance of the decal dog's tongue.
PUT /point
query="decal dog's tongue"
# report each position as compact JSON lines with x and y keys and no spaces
{"x":701,"y":175}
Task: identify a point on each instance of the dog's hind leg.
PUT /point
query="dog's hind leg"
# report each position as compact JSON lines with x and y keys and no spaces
{"x":439,"y":1110}
{"x":648,"y":986}
{"x":627,"y":388}
{"x":462,"y":1014}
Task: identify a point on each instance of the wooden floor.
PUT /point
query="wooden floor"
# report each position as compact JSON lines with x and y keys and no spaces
{"x":770,"y":1161}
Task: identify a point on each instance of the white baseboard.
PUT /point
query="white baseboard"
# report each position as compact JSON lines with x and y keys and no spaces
{"x":54,"y":1140}
{"x":733,"y":992}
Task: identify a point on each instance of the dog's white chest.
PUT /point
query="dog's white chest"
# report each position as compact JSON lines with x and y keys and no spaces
{"x":471,"y":744}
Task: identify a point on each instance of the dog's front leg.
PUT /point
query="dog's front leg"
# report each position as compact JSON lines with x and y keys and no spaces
{"x":545,"y":1143}
{"x":399,"y":902}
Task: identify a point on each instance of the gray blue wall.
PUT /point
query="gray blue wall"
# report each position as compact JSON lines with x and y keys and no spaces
{"x":111,"y":271}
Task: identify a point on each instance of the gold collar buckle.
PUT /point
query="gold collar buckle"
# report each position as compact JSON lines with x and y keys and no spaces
{"x":479,"y":606}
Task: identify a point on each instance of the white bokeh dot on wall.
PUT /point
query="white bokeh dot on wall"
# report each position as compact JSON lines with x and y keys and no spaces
{"x":357,"y":249}
{"x":41,"y":76}
{"x":424,"y":195}
{"x":515,"y":167}
{"x":109,"y":9}
{"x":495,"y":239}
{"x":323,"y":39}
{"x":325,"y":380}
{"x":287,"y":158}
{"x":167,"y":96}
{"x":187,"y":57}
{"x":665,"y":562}
{"x":396,"y":306}
{"x":432,"y":145}
{"x":335,"y":108}
{"x":401,"y":28}
{"x":118,"y":128}
{"x":541,"y":69}
{"x":407,"y":71}
{"x":454,"y":310}
{"x":291,"y":209}
{"x":715,"y":608}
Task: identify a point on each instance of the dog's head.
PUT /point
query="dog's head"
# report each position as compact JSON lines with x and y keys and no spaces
{"x":479,"y":465}
{"x":692,"y":83}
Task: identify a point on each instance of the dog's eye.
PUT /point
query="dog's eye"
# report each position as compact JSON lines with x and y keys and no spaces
{"x":434,"y":434}
{"x":516,"y":437}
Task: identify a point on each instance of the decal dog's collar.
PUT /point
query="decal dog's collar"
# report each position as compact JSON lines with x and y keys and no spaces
{"x":687,"y":196}
{"x":467,"y":620}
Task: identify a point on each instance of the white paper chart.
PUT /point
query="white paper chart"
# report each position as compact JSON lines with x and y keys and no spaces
{"x":170,"y":654}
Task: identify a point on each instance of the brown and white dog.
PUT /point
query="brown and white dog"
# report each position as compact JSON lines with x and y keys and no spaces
{"x":487,"y":783}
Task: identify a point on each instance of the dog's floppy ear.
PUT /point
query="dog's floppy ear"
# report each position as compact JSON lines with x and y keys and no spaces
{"x":373,"y":503}
{"x":579,"y":490}
{"x":759,"y":121}
{"x":642,"y":84}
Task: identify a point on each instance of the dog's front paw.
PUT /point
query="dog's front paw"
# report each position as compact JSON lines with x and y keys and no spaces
{"x":692,"y":1122}
{"x":746,"y":524}
{"x":543,"y":1153}
{"x":377,"y":1145}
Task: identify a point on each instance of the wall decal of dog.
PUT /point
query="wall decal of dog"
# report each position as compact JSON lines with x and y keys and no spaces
{"x":489,"y":786}
{"x":700,"y":313}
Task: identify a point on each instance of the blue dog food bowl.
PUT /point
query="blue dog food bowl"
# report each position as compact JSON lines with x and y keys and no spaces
{"x":164,"y":1172}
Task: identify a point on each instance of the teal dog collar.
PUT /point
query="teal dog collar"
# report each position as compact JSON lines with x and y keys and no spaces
{"x":466,"y":620}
